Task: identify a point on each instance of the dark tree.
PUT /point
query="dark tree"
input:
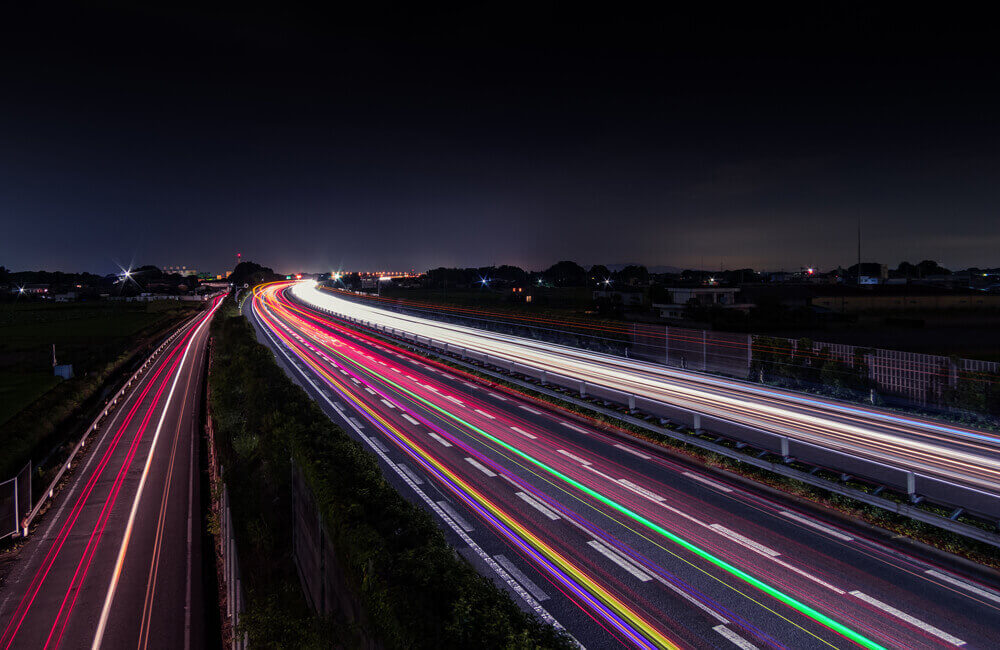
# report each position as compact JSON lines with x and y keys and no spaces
{"x":930,"y":267}
{"x":632,"y":274}
{"x":567,"y":274}
{"x":599,"y":273}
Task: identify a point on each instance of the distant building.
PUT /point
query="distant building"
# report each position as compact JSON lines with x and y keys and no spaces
{"x":179,"y":270}
{"x":681,"y":297}
{"x":624,"y":297}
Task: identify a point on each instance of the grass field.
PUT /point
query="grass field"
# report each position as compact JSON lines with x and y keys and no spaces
{"x":20,"y":388}
{"x":86,"y":334}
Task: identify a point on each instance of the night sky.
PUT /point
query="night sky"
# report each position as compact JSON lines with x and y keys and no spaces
{"x":518,"y":133}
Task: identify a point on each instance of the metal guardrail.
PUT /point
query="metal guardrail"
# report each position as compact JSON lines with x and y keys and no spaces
{"x":916,"y":486}
{"x":94,"y":426}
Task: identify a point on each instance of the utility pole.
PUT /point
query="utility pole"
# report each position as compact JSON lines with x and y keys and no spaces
{"x":859,"y":249}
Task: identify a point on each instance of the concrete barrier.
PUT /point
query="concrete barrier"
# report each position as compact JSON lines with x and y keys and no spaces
{"x":973,"y":500}
{"x":765,"y":440}
{"x":610,"y":394}
{"x":874,"y":471}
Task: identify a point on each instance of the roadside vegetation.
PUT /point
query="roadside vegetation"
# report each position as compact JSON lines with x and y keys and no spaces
{"x":101,"y":340}
{"x":413,"y":588}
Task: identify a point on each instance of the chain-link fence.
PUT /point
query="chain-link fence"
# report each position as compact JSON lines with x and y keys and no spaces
{"x":15,"y":502}
{"x":231,"y":573}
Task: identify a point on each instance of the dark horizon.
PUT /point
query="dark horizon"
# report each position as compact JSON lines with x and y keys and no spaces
{"x":510,"y":134}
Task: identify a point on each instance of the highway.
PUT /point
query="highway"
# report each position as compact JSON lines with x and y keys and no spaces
{"x":621,"y":545}
{"x":950,"y":452}
{"x":116,"y":561}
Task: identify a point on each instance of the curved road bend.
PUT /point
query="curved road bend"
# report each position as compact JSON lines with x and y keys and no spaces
{"x":618,"y":544}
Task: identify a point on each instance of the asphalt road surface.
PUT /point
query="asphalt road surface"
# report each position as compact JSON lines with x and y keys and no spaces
{"x":116,"y":561}
{"x":604,"y":536}
{"x":959,"y":455}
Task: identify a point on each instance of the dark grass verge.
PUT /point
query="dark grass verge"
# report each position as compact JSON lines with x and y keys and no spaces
{"x":415,"y":591}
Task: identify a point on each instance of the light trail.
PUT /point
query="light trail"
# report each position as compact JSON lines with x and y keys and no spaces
{"x":572,"y":577}
{"x":148,"y":400}
{"x":790,"y":601}
{"x":951,"y":452}
{"x":24,"y":606}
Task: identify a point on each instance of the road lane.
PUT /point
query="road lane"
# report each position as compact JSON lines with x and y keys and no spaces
{"x":947,"y":451}
{"x":688,"y":592}
{"x":56,"y":594}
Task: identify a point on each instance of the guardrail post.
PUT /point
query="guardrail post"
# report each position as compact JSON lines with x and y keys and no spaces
{"x":911,"y":485}
{"x":583,"y":389}
{"x":541,"y":378}
{"x":631,"y":402}
{"x":784,"y":449}
{"x":696,"y":425}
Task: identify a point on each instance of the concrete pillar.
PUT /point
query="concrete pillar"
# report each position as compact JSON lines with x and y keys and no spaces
{"x":666,"y":345}
{"x":704,"y":350}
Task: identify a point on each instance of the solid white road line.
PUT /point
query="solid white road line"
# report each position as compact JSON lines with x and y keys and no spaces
{"x":812,"y":524}
{"x":735,"y":638}
{"x":706,"y":481}
{"x":537,"y":505}
{"x":619,"y":560}
{"x":903,"y":616}
{"x":633,"y":451}
{"x":482,"y":468}
{"x":979,"y":591}
{"x":190,"y":546}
